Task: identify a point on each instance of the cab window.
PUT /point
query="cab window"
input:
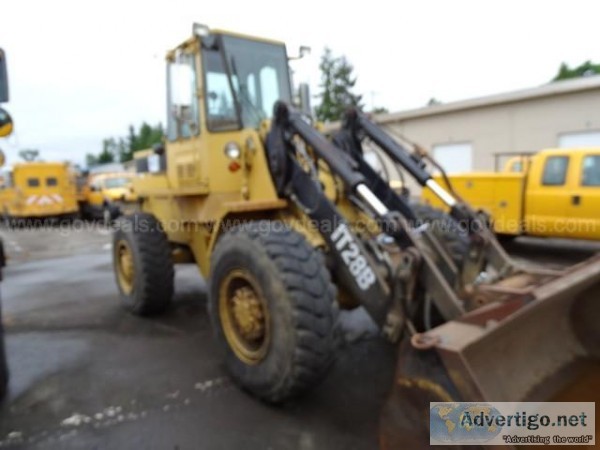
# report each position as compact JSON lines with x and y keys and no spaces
{"x":590,"y":173}
{"x":121,"y":182}
{"x":517,"y":166}
{"x":51,"y":181}
{"x":33,"y":182}
{"x":220,"y":105}
{"x":555,"y":171}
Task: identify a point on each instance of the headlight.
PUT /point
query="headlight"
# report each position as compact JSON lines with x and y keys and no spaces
{"x":232,"y":150}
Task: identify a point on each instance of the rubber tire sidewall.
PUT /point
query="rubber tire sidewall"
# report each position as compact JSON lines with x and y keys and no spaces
{"x":267,"y":378}
{"x":135,"y":302}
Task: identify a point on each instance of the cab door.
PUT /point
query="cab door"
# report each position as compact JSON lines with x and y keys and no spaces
{"x":185,"y":141}
{"x":584,"y":205}
{"x":94,"y":197}
{"x":548,"y":196}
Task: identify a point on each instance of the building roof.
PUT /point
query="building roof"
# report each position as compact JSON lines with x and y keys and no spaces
{"x":546,"y":90}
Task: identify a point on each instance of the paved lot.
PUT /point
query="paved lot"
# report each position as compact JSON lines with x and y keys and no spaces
{"x":87,"y":375}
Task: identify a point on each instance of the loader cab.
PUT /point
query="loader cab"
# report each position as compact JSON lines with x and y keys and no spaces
{"x":221,"y":86}
{"x":234,"y":82}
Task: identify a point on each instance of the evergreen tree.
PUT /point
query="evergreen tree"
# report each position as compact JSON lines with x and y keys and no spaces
{"x":586,"y":69}
{"x":108,"y":153}
{"x":337,"y":82}
{"x":29,"y":154}
{"x":122,"y":149}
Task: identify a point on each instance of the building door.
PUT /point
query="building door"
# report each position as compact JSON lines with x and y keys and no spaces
{"x":579,"y":139}
{"x":455,"y":157}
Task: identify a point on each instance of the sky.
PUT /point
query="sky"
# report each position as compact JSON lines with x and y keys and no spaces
{"x":81,"y":71}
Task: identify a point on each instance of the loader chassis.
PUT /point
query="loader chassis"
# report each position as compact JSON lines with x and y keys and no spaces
{"x":286,"y":225}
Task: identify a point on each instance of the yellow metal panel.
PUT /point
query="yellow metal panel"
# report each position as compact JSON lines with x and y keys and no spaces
{"x":583,"y":210}
{"x":498,"y":194}
{"x":546,"y":206}
{"x":54,"y":194}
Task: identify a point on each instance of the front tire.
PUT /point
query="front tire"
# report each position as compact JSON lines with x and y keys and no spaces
{"x":142,"y":264}
{"x":273,"y":309}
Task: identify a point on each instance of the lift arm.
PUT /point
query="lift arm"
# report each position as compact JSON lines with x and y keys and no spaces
{"x":379,"y":298}
{"x":485,"y":244}
{"x":353,"y":267}
{"x":358,"y":122}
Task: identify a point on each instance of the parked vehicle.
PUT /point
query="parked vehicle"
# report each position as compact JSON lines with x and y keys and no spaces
{"x":556,"y":195}
{"x":107,"y":195}
{"x":38,"y":190}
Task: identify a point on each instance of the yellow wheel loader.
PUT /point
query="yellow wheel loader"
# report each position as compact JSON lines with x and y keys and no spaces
{"x":288,"y":226}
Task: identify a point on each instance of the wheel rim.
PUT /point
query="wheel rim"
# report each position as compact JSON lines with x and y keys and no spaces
{"x":125,"y":266}
{"x":244,"y":316}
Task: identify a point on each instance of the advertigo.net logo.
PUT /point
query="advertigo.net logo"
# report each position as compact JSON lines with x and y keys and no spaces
{"x":504,"y":423}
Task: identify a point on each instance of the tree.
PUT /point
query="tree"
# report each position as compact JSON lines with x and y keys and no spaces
{"x":380,"y":110}
{"x":586,"y":69}
{"x":91,"y":160}
{"x":29,"y":154}
{"x":109,"y":151}
{"x":146,"y":137}
{"x":122,"y":149}
{"x":337,"y":82}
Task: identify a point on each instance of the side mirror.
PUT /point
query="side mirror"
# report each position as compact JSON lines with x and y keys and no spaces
{"x":6,"y":123}
{"x":3,"y":78}
{"x":181,"y":84}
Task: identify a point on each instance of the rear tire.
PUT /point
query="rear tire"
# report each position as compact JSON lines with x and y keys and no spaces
{"x":142,"y":264}
{"x":2,"y":256}
{"x":287,"y":344}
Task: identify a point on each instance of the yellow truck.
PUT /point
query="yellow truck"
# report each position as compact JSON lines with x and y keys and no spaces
{"x":38,"y":190}
{"x":107,"y":195}
{"x":557,"y":194}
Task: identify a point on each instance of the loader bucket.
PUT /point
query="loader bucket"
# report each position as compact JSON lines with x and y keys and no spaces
{"x":544,"y":346}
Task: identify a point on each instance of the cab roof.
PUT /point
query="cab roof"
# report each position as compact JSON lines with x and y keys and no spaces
{"x":103,"y":176}
{"x":562,"y":151}
{"x":39,"y":164}
{"x":249,"y":37}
